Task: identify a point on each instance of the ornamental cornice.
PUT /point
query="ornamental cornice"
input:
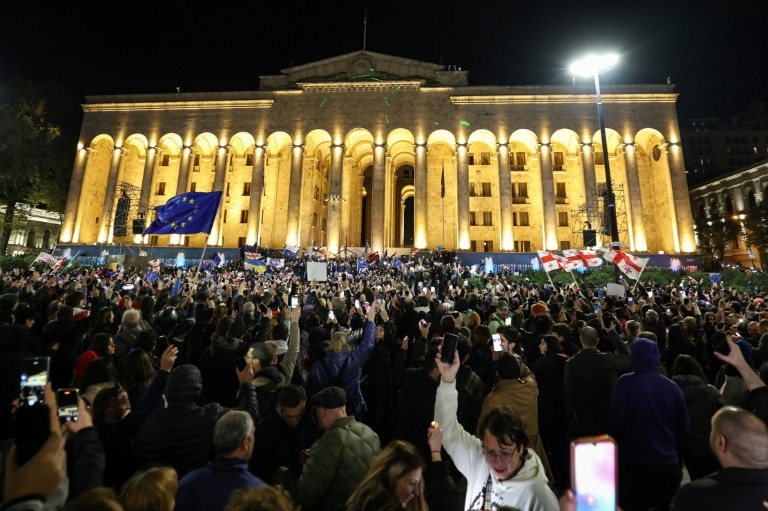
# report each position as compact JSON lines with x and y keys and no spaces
{"x":178,"y":105}
{"x":361,"y":86}
{"x":507,"y":99}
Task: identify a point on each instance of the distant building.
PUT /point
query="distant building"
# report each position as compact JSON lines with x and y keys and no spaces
{"x":713,"y":147}
{"x":40,"y":234}
{"x":370,"y":148}
{"x":735,"y":194}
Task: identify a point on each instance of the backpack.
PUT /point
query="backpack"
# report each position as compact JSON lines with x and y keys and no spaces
{"x":338,"y":381}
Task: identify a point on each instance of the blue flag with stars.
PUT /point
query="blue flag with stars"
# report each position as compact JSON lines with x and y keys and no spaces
{"x":188,"y":213}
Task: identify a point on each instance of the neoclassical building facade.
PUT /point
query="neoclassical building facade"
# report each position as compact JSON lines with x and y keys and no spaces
{"x":366,"y":148}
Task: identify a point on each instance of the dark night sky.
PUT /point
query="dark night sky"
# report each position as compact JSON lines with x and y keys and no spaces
{"x":714,"y":56}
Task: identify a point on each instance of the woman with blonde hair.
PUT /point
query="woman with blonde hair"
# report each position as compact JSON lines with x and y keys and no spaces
{"x":395,"y":480}
{"x":632,"y":329}
{"x":153,"y":489}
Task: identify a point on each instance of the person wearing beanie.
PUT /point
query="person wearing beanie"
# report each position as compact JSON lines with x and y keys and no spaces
{"x":9,"y":301}
{"x":338,"y":460}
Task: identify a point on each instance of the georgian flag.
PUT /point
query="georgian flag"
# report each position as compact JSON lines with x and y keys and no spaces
{"x":582,"y":258}
{"x":550,"y":261}
{"x":630,"y":265}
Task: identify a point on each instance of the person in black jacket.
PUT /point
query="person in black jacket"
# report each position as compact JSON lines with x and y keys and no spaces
{"x":588,"y":381}
{"x":285,"y":437}
{"x":181,"y":435}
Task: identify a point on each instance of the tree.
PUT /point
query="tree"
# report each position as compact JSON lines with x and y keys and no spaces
{"x":33,"y":162}
{"x":756,"y":229}
{"x":715,"y":232}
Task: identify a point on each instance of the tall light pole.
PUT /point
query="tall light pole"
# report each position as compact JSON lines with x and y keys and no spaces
{"x":593,"y":65}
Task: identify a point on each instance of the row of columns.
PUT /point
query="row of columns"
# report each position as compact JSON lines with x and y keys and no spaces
{"x":382,"y":205}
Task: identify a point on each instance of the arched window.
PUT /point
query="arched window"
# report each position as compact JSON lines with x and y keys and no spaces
{"x":31,"y":238}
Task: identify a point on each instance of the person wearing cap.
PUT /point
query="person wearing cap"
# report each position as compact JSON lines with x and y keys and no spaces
{"x":337,"y":461}
{"x":499,"y":316}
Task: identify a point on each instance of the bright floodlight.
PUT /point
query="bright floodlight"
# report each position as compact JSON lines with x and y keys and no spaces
{"x":592,"y":64}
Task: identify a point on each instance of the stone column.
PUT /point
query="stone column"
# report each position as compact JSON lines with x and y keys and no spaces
{"x":105,"y":233}
{"x":377,"y":197}
{"x":186,"y":158}
{"x":294,"y":195}
{"x":222,"y":155}
{"x":549,"y":225}
{"x":69,"y":226}
{"x":506,"y":238}
{"x":146,"y":182}
{"x":462,"y":199}
{"x":334,"y":199}
{"x":253,"y":234}
{"x":635,"y":223}
{"x":588,"y":164}
{"x":682,"y":225}
{"x":420,"y":198}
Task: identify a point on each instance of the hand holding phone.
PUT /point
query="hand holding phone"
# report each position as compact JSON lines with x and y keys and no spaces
{"x":448,"y":348}
{"x":33,"y":417}
{"x":497,"y":346}
{"x":593,"y":473}
{"x":68,"y":401}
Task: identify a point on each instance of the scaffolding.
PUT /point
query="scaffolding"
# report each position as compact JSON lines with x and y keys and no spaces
{"x":593,"y":216}
{"x":123,"y":214}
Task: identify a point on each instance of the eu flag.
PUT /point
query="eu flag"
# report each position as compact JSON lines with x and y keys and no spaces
{"x":188,"y":213}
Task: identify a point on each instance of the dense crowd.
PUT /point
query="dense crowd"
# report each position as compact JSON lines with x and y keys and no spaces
{"x":235,"y":389}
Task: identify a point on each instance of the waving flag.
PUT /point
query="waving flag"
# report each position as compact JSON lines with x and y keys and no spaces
{"x":188,"y":213}
{"x":46,"y":258}
{"x":630,"y":265}
{"x":292,"y":252}
{"x":275,"y":263}
{"x":582,"y":258}
{"x":362,"y":265}
{"x":552,"y":261}
{"x":397,"y":262}
{"x":58,"y":264}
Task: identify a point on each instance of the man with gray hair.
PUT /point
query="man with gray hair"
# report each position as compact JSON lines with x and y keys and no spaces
{"x":131,"y":326}
{"x":209,"y":488}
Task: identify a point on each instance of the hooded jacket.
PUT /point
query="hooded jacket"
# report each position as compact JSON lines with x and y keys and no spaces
{"x":649,"y":414}
{"x":527,"y":491}
{"x":181,"y":435}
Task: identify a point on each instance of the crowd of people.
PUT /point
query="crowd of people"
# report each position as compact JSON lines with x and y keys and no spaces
{"x":234,"y":390}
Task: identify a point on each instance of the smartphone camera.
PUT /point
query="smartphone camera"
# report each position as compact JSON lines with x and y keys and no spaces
{"x":596,"y":308}
{"x":67,"y":402}
{"x":497,"y":346}
{"x":294,"y":302}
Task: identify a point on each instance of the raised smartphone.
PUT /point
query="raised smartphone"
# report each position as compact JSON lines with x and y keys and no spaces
{"x":33,"y":425}
{"x":331,"y":315}
{"x":294,"y":302}
{"x":497,"y":346}
{"x":448,"y":348}
{"x":594,"y":471}
{"x":67,"y":403}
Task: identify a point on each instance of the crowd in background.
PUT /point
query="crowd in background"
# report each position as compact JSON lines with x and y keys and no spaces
{"x":234,"y":389}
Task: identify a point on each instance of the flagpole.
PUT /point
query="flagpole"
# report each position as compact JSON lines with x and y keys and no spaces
{"x":200,"y":264}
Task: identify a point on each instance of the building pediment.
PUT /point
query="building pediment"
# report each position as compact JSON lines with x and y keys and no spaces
{"x":364,"y":66}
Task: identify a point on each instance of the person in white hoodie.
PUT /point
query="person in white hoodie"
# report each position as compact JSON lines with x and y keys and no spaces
{"x":499,"y":467}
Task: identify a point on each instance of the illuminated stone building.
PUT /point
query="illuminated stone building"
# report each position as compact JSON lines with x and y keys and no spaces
{"x":370,"y":148}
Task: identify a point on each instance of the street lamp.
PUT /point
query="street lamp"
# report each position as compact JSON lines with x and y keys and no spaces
{"x":593,"y":65}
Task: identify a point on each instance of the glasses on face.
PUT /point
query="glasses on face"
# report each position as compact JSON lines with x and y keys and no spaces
{"x":505,"y":456}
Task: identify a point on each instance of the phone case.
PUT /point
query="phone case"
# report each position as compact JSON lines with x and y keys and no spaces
{"x":594,"y":465}
{"x":448,"y":348}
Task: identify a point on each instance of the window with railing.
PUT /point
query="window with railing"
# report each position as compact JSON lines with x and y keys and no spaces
{"x":522,"y":246}
{"x":558,"y":162}
{"x":520,"y":218}
{"x":561,"y":194}
{"x":519,"y":193}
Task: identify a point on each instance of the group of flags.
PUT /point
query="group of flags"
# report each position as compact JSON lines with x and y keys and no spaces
{"x":632,"y":266}
{"x":62,"y":263}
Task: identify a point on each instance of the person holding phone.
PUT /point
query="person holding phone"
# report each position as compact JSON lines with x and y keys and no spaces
{"x":499,"y":467}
